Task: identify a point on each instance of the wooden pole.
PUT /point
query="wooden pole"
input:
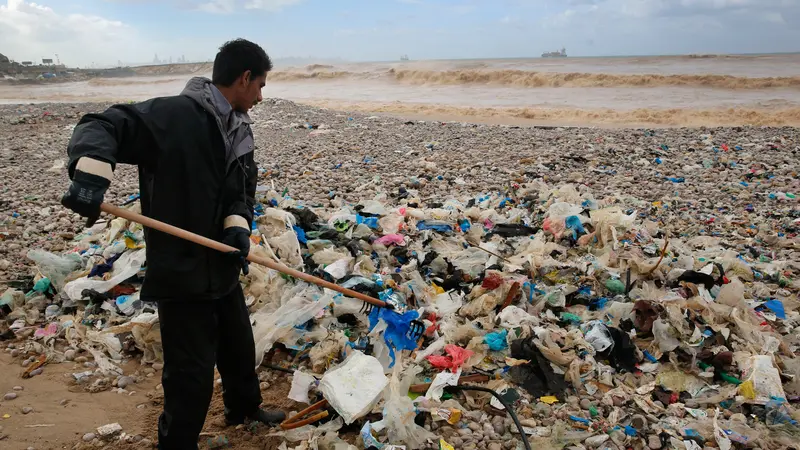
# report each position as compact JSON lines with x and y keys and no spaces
{"x":219,"y":246}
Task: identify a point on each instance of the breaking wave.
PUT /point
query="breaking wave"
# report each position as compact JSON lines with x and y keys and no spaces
{"x":572,"y":116}
{"x":531,"y":79}
{"x":130,"y":82}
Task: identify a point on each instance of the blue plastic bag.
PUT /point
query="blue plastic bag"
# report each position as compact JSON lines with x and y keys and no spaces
{"x":397,"y":327}
{"x":435,"y":226}
{"x":371,"y":222}
{"x":574,"y":224}
{"x":496,"y":341}
{"x":301,"y":234}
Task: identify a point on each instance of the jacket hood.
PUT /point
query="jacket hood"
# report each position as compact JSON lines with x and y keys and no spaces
{"x":201,"y":90}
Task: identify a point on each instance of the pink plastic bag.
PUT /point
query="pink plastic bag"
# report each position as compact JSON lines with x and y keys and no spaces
{"x":389,"y":239}
{"x":457,"y":356}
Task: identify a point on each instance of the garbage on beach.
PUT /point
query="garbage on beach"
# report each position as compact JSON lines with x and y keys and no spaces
{"x":591,"y":316}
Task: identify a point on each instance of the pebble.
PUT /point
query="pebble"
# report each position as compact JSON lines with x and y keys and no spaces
{"x":10,"y":396}
{"x":36,"y":372}
{"x":18,"y":388}
{"x":654,"y":442}
{"x":89,"y":437}
{"x":27,"y":410}
{"x":63,"y":402}
{"x":15,"y":353}
{"x":264,"y":385}
{"x":495,"y":446}
{"x":69,"y":355}
{"x":81,"y":359}
{"x":158,"y":366}
{"x":596,"y":441}
{"x":124,"y":382}
{"x":585,"y":404}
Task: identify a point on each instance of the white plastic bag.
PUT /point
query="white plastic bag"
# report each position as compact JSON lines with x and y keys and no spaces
{"x":353,"y":388}
{"x":399,"y":411}
{"x":301,"y":382}
{"x":298,"y":305}
{"x":55,"y":267}
{"x":125,"y":267}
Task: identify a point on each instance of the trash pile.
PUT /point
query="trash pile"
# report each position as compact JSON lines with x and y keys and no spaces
{"x":537,"y":316}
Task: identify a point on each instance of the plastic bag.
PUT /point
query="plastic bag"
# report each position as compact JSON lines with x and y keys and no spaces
{"x":446,"y":304}
{"x":298,"y":305}
{"x":396,"y":334}
{"x":125,"y":267}
{"x":663,"y":336}
{"x":353,"y":388}
{"x":55,"y":267}
{"x":598,"y":335}
{"x":391,"y":239}
{"x":285,"y":248}
{"x":471,"y":261}
{"x":762,"y":380}
{"x":456,"y":357}
{"x":496,"y":341}
{"x":399,"y":411}
{"x":301,"y":382}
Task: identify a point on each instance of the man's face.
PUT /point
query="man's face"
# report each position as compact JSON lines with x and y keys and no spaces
{"x":249,"y":91}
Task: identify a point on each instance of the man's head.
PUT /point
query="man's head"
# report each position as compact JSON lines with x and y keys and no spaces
{"x":240,"y":71}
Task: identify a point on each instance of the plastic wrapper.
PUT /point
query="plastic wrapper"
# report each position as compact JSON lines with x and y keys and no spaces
{"x":456,"y":357}
{"x":299,"y":305}
{"x":125,"y":267}
{"x":762,"y":381}
{"x":55,"y":267}
{"x":354,"y":387}
{"x":399,"y":411}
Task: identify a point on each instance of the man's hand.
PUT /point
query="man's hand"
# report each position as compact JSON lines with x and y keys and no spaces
{"x":238,"y":237}
{"x":89,"y":184}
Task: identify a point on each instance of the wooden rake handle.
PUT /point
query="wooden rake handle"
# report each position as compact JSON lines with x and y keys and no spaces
{"x":219,"y":246}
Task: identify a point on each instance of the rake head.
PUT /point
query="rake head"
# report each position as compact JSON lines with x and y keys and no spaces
{"x":366,"y":308}
{"x":416,"y":329}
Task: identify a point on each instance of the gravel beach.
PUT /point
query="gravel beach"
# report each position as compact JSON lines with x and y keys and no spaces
{"x":712,"y":187}
{"x":316,"y":154}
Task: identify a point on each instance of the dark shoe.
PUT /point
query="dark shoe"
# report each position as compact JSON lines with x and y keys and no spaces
{"x":266,"y":416}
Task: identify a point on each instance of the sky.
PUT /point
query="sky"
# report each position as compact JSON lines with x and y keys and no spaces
{"x":102,"y":32}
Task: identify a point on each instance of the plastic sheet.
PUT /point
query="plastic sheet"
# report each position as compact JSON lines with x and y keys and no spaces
{"x":354,"y":387}
{"x":55,"y":267}
{"x":125,"y":267}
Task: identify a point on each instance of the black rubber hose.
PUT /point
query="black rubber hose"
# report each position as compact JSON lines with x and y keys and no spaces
{"x":507,"y":405}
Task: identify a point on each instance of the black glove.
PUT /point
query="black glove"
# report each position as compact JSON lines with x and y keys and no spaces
{"x":240,"y":238}
{"x":85,"y":195}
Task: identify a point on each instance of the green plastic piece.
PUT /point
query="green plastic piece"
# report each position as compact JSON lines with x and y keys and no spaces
{"x":615,"y":286}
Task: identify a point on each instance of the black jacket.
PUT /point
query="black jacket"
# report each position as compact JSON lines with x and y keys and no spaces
{"x":193,"y":173}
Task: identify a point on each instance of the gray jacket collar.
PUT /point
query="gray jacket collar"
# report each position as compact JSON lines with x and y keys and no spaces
{"x":207,"y":95}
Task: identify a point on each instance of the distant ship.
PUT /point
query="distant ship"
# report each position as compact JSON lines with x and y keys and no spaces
{"x":404,"y":58}
{"x":561,"y":54}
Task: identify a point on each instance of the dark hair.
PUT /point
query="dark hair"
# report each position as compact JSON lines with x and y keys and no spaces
{"x":237,"y":57}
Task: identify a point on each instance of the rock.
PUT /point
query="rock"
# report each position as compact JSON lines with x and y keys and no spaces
{"x":495,"y":446}
{"x":474,"y":426}
{"x":465,"y":432}
{"x":36,"y":372}
{"x":146,"y":443}
{"x":15,"y":353}
{"x":528,"y":423}
{"x":124,"y":382}
{"x":264,"y":385}
{"x":89,"y":437}
{"x":18,"y":388}
{"x":81,"y":359}
{"x":10,"y":396}
{"x":27,"y":410}
{"x":596,"y":441}
{"x":63,"y":402}
{"x":654,"y":442}
{"x":158,"y":366}
{"x":69,"y":355}
{"x":456,"y":442}
{"x":499,"y":428}
{"x":585,"y":403}
{"x":109,"y":430}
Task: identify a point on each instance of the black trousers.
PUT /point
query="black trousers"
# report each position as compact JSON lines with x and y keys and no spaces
{"x":196,"y":335}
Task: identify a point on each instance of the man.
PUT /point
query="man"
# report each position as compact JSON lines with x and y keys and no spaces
{"x":194,"y":152}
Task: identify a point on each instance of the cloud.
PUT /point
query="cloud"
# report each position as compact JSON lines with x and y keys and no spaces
{"x":30,"y":31}
{"x":270,"y":5}
{"x":217,"y":6}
